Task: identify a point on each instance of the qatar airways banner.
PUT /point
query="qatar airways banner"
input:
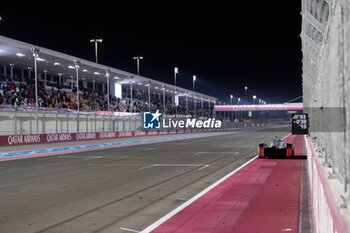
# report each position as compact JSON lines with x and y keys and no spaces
{"x":260,"y":107}
{"x":22,"y":139}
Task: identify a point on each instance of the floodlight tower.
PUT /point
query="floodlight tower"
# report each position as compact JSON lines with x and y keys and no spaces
{"x":138,"y":63}
{"x":96,"y":41}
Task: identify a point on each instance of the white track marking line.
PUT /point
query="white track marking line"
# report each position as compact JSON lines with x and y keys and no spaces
{"x":141,"y":168}
{"x":127,"y":229}
{"x":201,"y":168}
{"x":190,"y":201}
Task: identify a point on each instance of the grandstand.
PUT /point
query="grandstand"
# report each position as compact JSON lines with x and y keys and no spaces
{"x":69,"y":83}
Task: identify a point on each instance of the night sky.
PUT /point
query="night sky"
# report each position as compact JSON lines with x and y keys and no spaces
{"x":249,"y":43}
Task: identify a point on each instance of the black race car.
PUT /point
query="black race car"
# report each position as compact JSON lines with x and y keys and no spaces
{"x":276,"y":148}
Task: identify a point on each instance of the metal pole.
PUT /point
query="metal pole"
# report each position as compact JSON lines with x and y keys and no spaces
{"x":36,"y":91}
{"x":45,"y":77}
{"x":77,"y":75}
{"x":11,"y":70}
{"x":103,"y":123}
{"x":43,"y":123}
{"x":231,"y":104}
{"x":149,"y":96}
{"x":30,"y":123}
{"x":95,"y":122}
{"x":15,"y":122}
{"x":195,"y":106}
{"x":76,"y":64}
{"x":60,"y":79}
{"x":175,"y":72}
{"x":186,"y":105}
{"x":108,"y":74}
{"x":56,"y":122}
{"x":96,"y":56}
{"x":209,"y":112}
{"x":202,"y":107}
{"x":163,"y":98}
{"x":110,"y":122}
{"x":138,"y":66}
{"x":131,"y":103}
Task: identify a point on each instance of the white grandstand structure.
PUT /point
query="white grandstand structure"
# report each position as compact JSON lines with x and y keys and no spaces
{"x":57,"y":69}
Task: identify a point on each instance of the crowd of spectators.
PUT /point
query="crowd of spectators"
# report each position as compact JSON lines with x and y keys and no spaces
{"x":21,"y":92}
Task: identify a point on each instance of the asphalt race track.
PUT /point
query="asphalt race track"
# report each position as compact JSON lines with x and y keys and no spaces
{"x":117,"y":190}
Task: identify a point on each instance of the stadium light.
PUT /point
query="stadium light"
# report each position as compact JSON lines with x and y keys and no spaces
{"x":20,"y":55}
{"x":194,"y":80}
{"x":96,"y":41}
{"x":176,"y":71}
{"x":254,"y":97}
{"x":138,"y":63}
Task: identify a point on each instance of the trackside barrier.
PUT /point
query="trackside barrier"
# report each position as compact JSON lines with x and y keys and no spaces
{"x":326,"y":213}
{"x":22,"y":139}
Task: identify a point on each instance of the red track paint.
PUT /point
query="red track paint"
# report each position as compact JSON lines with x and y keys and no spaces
{"x":264,"y":196}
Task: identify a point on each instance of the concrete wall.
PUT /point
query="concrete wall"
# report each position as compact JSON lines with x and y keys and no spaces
{"x":29,"y":123}
{"x":326,"y":73}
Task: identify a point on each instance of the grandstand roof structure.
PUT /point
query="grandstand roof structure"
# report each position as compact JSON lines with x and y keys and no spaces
{"x":20,"y":54}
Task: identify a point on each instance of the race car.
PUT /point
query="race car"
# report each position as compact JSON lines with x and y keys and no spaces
{"x":276,"y":148}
